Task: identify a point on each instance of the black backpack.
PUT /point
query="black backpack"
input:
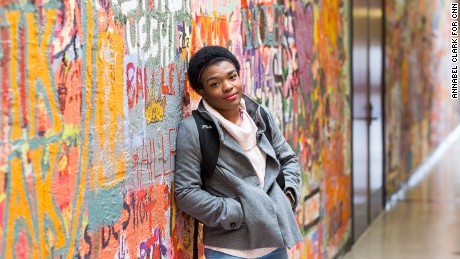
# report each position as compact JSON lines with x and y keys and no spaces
{"x":209,"y":147}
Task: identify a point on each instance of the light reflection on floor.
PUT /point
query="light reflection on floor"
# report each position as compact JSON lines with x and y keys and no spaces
{"x":425,"y":223}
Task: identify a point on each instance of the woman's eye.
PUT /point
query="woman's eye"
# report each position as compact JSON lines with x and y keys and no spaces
{"x":233,"y":77}
{"x":213,"y":85}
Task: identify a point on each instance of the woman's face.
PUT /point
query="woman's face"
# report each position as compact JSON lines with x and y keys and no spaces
{"x":222,"y":87}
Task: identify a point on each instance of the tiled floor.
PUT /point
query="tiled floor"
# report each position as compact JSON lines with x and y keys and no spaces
{"x":425,"y":223}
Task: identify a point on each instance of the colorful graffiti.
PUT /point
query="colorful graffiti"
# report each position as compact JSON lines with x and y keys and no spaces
{"x":419,"y":111}
{"x":294,"y":56}
{"x":91,"y":96}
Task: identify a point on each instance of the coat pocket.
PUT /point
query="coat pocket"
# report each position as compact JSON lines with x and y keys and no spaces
{"x":219,"y":188}
{"x":259,"y":217}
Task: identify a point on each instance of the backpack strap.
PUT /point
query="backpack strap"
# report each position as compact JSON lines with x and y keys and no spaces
{"x":209,"y":148}
{"x":209,"y":144}
{"x":195,"y":239}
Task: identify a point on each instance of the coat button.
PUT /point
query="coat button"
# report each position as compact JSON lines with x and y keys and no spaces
{"x":233,"y":225}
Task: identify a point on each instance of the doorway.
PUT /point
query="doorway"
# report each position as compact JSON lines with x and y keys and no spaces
{"x":368,"y":149}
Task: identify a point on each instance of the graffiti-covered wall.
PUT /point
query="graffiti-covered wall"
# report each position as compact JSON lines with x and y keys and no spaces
{"x":419,"y":110}
{"x":91,"y":96}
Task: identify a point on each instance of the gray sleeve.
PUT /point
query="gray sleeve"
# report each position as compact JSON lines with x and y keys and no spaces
{"x":210,"y":210}
{"x":287,"y":158}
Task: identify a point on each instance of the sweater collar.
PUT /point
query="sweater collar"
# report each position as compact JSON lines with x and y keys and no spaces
{"x":252,"y":108}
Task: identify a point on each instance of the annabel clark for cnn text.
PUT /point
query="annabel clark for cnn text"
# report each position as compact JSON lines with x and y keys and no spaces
{"x":454,"y":50}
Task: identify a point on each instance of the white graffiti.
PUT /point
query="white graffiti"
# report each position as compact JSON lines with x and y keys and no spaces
{"x":152,"y":28}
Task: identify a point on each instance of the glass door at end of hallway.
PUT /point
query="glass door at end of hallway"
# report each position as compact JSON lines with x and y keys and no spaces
{"x":367,"y":74}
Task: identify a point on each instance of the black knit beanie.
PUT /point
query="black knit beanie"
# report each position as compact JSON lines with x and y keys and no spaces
{"x":207,"y":56}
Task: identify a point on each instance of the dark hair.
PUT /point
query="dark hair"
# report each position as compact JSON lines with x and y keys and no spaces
{"x":207,"y":56}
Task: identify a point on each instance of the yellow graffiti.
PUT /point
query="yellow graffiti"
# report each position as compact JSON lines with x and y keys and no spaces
{"x":31,"y":204}
{"x":71,"y":133}
{"x":404,"y":81}
{"x":109,"y":110}
{"x":41,"y":160}
{"x":80,"y":189}
{"x":39,"y":69}
{"x":44,"y":182}
{"x":154,"y":110}
{"x":331,"y":18}
{"x":30,"y":169}
{"x":18,"y":208}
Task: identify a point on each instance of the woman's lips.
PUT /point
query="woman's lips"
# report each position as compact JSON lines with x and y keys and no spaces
{"x":231,"y":97}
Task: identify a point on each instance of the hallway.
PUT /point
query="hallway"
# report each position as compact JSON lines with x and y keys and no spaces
{"x":424,"y":223}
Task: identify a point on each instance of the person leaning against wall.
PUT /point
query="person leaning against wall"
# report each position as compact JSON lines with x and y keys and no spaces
{"x":244,"y":211}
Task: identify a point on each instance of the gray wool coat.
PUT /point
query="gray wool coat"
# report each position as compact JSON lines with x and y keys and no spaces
{"x":236,"y":212}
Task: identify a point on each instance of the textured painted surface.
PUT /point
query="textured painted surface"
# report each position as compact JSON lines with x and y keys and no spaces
{"x":419,"y":111}
{"x":91,"y":96}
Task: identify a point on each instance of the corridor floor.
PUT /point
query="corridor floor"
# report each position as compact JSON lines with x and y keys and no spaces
{"x":425,"y":223}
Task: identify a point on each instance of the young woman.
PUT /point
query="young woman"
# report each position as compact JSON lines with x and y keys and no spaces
{"x":244,"y":211}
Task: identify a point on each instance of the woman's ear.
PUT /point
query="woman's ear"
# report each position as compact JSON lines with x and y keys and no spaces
{"x":201,"y":92}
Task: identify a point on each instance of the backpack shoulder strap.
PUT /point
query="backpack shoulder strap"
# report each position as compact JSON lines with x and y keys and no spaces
{"x":195,"y":238}
{"x":268,"y":133}
{"x":209,"y":148}
{"x":209,"y":144}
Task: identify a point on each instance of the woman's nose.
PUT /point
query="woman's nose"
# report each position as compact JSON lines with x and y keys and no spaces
{"x":227,"y":86}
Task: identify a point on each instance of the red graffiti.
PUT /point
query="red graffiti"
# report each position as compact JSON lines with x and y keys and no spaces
{"x":138,"y":80}
{"x":134,"y":83}
{"x":144,"y":157}
{"x":5,"y":71}
{"x":143,"y":220}
{"x":22,"y":82}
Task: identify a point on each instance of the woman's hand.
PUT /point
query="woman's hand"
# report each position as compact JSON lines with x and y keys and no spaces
{"x":290,"y":196}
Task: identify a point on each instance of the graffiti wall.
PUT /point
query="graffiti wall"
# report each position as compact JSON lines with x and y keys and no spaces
{"x":91,"y":96}
{"x":419,"y":110}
